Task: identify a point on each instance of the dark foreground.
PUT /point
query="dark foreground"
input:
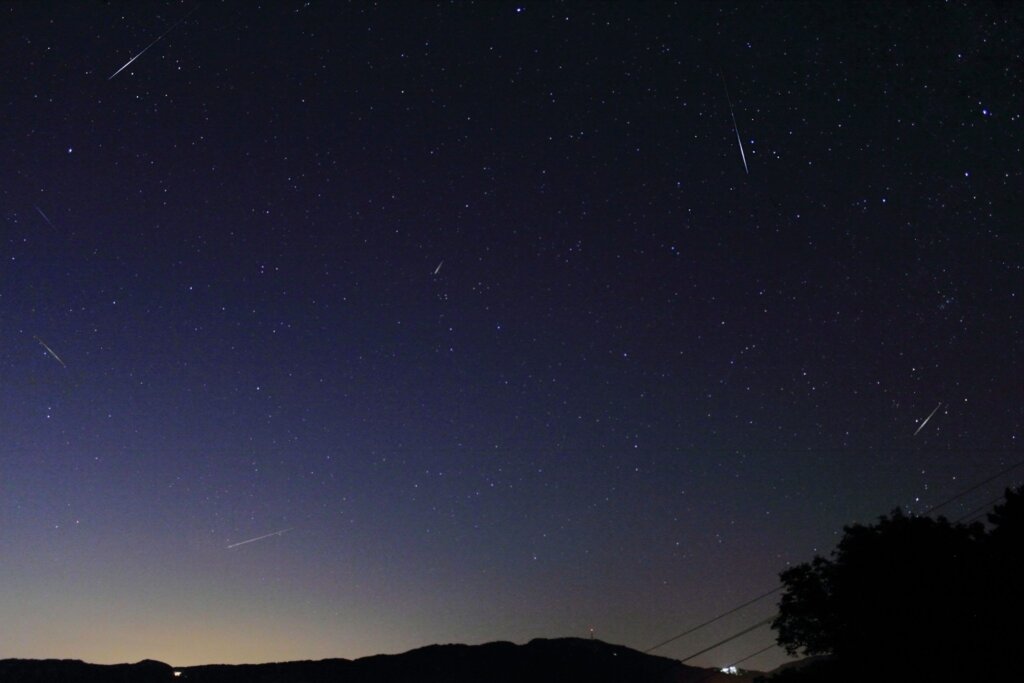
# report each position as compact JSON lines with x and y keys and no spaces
{"x":539,"y":661}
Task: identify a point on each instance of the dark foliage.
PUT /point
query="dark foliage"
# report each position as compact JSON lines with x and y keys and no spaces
{"x":928,"y":598}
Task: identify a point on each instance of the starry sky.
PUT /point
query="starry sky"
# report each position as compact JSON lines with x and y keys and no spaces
{"x":495,"y":320}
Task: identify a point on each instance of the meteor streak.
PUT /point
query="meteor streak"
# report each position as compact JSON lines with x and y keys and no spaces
{"x":259,"y":538}
{"x":51,"y":352}
{"x":438,"y":269}
{"x":158,"y":39}
{"x":921,"y":426}
{"x":45,"y":218}
{"x":735,"y":128}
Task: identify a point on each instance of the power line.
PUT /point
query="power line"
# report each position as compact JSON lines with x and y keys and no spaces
{"x":713,"y":620}
{"x":973,"y":488}
{"x":734,"y":636}
{"x":981,"y":508}
{"x":736,"y":663}
{"x":779,"y":587}
{"x":751,"y":656}
{"x":769,"y":619}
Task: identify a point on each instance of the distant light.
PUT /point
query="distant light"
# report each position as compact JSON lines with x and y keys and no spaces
{"x":731,"y":670}
{"x":177,"y":673}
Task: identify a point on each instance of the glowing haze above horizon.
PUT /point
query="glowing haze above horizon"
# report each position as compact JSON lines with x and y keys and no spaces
{"x":334,"y":329}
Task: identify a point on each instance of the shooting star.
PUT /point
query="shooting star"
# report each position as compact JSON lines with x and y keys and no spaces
{"x":51,"y":352}
{"x":158,"y":39}
{"x":45,"y":218}
{"x":260,"y":538}
{"x":921,"y":426}
{"x":735,"y":128}
{"x":438,"y":269}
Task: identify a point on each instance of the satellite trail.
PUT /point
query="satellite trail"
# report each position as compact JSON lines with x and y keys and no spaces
{"x":921,"y":426}
{"x":259,"y":538}
{"x":158,"y":39}
{"x":735,"y":128}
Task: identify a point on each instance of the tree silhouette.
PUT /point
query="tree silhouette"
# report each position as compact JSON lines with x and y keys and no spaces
{"x":926,"y":596}
{"x":1008,"y":518}
{"x":1005,"y":575}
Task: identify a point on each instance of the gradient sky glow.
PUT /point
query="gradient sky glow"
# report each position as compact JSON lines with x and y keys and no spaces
{"x":642,"y":382}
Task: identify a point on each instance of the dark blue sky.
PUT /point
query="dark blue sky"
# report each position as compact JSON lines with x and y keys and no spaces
{"x":480,"y":303}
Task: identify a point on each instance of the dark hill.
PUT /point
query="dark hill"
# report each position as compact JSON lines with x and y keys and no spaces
{"x":539,"y":661}
{"x":75,"y":671}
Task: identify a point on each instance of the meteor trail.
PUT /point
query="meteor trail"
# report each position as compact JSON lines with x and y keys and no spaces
{"x":50,"y":351}
{"x":921,"y":426}
{"x":735,"y":128}
{"x":48,"y":222}
{"x":158,"y":39}
{"x":438,"y":269}
{"x":259,"y":538}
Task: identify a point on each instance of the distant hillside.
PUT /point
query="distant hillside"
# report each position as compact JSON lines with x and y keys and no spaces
{"x":539,"y":661}
{"x":75,"y":671}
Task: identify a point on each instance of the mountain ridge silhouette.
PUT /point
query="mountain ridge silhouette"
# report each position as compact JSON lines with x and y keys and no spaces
{"x":541,"y":660}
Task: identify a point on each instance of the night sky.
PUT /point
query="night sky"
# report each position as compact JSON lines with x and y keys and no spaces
{"x":491,"y":319}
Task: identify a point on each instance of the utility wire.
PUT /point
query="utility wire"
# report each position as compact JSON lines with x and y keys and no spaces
{"x":984,"y":508}
{"x":734,"y":636}
{"x":977,"y":486}
{"x":751,"y":656}
{"x":736,"y":663}
{"x":713,"y":620}
{"x":780,"y":587}
{"x":769,"y":619}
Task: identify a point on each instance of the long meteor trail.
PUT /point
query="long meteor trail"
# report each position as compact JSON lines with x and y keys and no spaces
{"x":158,"y":39}
{"x":259,"y":538}
{"x":51,"y":352}
{"x":735,"y":128}
{"x":921,"y":426}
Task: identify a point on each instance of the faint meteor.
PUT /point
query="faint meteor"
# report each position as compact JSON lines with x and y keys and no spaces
{"x":260,"y":538}
{"x":735,"y":128}
{"x":45,"y":218}
{"x":921,"y":426}
{"x":438,"y":269}
{"x":51,"y":352}
{"x":158,"y":39}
